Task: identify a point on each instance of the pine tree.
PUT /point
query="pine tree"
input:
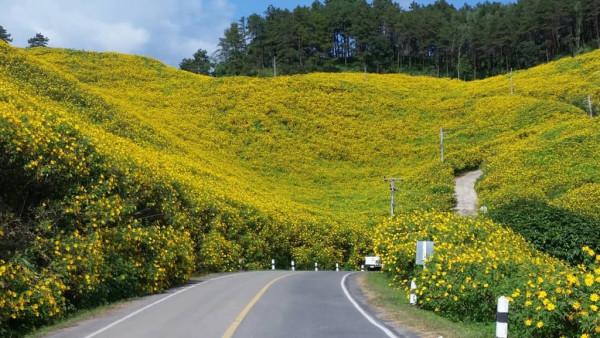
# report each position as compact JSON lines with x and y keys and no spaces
{"x":39,"y":40}
{"x":468,"y":42}
{"x":4,"y":36}
{"x":232,"y":51}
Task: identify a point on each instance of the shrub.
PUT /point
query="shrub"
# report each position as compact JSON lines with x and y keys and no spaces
{"x":476,"y":261}
{"x":28,"y":298}
{"x":552,"y":229}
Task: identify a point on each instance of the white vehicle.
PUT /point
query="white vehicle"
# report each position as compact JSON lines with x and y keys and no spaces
{"x":372,"y":263}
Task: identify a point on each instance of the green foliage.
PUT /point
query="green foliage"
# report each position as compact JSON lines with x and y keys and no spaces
{"x":232,"y":48}
{"x":552,"y":229}
{"x":28,"y":298}
{"x":4,"y":35}
{"x":436,"y":39}
{"x":199,"y":64}
{"x":38,"y":40}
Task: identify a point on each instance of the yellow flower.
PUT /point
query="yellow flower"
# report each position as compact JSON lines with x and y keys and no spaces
{"x":540,"y":324}
{"x":589,"y":279}
{"x":576,"y":305}
{"x":550,"y":307}
{"x":589,"y":251}
{"x":573,"y":280}
{"x":528,"y":322}
{"x":594,"y":297}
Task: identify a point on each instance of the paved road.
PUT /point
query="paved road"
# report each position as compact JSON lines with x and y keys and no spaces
{"x":466,"y":196}
{"x":243,"y":305}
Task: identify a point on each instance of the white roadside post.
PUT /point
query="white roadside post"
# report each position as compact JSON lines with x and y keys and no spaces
{"x":293,"y":265}
{"x":413,"y":292}
{"x":362,"y":268}
{"x":590,"y":106}
{"x":502,"y":318}
{"x":272,"y":264}
{"x":337,"y":267}
{"x":316,"y":266}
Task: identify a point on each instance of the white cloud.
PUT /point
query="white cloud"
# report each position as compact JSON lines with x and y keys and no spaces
{"x":121,"y":37}
{"x":168,"y":30}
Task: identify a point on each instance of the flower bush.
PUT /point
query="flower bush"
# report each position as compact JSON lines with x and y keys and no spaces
{"x":28,"y":298}
{"x":475,"y":261}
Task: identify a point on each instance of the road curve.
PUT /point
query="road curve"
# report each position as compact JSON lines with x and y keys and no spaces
{"x":242,"y":305}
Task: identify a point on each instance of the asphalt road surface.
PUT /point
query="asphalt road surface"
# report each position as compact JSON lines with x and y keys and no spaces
{"x":244,"y":305}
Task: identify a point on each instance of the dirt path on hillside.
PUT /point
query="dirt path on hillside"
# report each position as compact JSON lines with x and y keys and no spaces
{"x":466,"y":196}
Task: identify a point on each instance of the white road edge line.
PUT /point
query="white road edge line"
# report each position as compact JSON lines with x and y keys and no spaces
{"x":385,"y":330}
{"x":138,"y":311}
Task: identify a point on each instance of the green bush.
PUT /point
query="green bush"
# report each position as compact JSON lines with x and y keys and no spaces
{"x":554,"y":230}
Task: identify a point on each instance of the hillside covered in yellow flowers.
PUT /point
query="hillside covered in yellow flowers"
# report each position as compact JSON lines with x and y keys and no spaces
{"x":122,"y":176}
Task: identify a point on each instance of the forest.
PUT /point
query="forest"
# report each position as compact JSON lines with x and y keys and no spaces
{"x":470,"y":42}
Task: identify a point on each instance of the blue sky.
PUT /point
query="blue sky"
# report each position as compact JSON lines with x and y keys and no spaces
{"x":168,"y":30}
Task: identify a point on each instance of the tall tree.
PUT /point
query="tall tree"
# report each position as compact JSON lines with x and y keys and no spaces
{"x":256,"y":41}
{"x":232,"y":50}
{"x":199,"y":63}
{"x":468,"y":42}
{"x":38,"y":40}
{"x":4,"y":36}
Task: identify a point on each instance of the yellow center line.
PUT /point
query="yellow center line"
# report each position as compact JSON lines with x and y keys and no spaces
{"x":238,"y":320}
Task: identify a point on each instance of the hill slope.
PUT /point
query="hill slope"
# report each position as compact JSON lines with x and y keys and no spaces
{"x":127,"y":156}
{"x":298,"y":134}
{"x":320,"y":144}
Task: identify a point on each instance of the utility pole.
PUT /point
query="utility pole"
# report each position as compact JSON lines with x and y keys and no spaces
{"x":442,"y":144}
{"x":274,"y":66}
{"x":393,"y":190}
{"x":590,"y":106}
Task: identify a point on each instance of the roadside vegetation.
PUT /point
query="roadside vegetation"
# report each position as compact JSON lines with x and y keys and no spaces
{"x":477,"y":260}
{"x":122,"y":176}
{"x":391,"y":304}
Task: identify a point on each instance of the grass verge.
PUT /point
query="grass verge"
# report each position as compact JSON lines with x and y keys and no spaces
{"x":391,"y":305}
